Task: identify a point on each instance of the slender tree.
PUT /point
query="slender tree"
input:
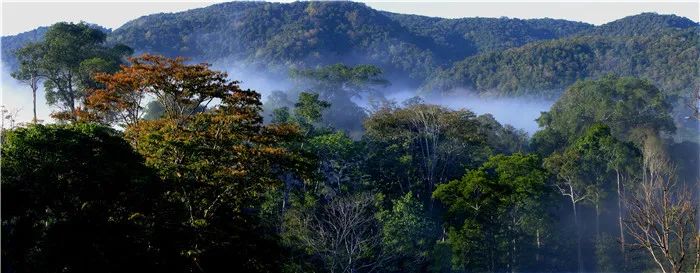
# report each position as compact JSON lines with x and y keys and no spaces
{"x":662,"y":216}
{"x":570,"y":185}
{"x":29,"y":71}
{"x":66,"y":59}
{"x":491,"y":209}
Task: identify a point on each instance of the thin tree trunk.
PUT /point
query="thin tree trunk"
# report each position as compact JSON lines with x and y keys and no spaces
{"x":619,"y":218}
{"x":597,"y":218}
{"x":34,"y":84}
{"x":539,"y":245}
{"x":578,"y":236}
{"x":34,"y":103}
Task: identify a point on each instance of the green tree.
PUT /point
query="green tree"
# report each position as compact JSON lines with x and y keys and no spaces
{"x":308,"y":111}
{"x":340,"y":160}
{"x":408,"y":234}
{"x":503,"y":139}
{"x":70,"y":54}
{"x":218,"y":164}
{"x":76,"y":198}
{"x":29,"y":71}
{"x":496,"y":214}
{"x":624,"y":104}
{"x":420,"y":146}
{"x":604,"y":156}
{"x":339,"y":78}
{"x":593,"y":165}
{"x":587,"y":169}
{"x":338,"y":84}
{"x":571,"y":185}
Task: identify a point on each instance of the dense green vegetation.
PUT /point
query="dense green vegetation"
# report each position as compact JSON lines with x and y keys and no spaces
{"x":65,"y":60}
{"x":277,"y":36}
{"x":200,"y":176}
{"x":545,"y":68}
{"x":496,"y":56}
{"x":312,"y":33}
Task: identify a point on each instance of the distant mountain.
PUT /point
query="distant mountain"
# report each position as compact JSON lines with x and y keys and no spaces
{"x":468,"y":36}
{"x":490,"y":55}
{"x":13,"y":42}
{"x":644,"y":24}
{"x":664,"y":49}
{"x":276,"y":35}
{"x":312,"y":33}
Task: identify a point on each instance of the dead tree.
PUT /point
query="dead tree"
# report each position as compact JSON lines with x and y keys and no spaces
{"x":662,"y":216}
{"x":345,"y":235}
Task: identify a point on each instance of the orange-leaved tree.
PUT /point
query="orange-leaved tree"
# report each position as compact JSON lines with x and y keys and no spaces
{"x":181,"y":89}
{"x":217,"y":161}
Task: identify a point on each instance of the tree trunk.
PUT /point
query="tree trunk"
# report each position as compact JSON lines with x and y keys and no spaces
{"x":34,"y":104}
{"x":619,"y":218}
{"x":35,"y":85}
{"x":539,"y":245}
{"x":597,"y":218}
{"x":578,"y":236}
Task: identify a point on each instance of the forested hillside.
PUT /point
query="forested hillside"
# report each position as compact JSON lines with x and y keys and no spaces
{"x":274,"y":35}
{"x":158,"y":163}
{"x":497,"y":56}
{"x":545,"y":68}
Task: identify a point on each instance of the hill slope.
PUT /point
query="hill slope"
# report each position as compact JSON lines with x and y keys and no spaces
{"x":312,"y":33}
{"x":278,"y":35}
{"x":491,"y":55}
{"x":668,"y":54}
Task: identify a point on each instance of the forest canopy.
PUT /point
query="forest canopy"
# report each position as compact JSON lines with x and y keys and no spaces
{"x":162,"y":162}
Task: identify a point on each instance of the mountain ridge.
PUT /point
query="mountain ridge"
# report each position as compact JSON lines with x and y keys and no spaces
{"x":421,"y":50}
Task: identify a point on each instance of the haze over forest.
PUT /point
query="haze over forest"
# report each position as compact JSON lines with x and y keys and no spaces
{"x":334,"y":137}
{"x":259,"y":42}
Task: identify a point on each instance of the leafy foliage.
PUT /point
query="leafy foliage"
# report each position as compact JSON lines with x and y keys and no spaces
{"x":277,"y":36}
{"x":76,"y":198}
{"x":495,"y":211}
{"x":420,"y":146}
{"x":178,"y":88}
{"x":546,"y":68}
{"x":407,"y":233}
{"x":66,"y":58}
{"x":198,"y":183}
{"x":338,"y":84}
{"x":626,"y":105}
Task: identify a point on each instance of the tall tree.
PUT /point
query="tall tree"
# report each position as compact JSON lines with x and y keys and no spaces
{"x":334,"y":80}
{"x":29,"y":71}
{"x":436,"y":143}
{"x":496,"y":213}
{"x":663,"y":215}
{"x":217,"y":165}
{"x":343,"y":235}
{"x":338,"y":84}
{"x":70,"y":54}
{"x":623,"y":158}
{"x":569,"y":183}
{"x":408,"y":233}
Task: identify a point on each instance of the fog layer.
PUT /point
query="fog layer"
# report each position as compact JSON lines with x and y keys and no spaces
{"x":518,"y":112}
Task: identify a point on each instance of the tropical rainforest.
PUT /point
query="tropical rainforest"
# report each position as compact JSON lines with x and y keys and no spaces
{"x":158,"y":158}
